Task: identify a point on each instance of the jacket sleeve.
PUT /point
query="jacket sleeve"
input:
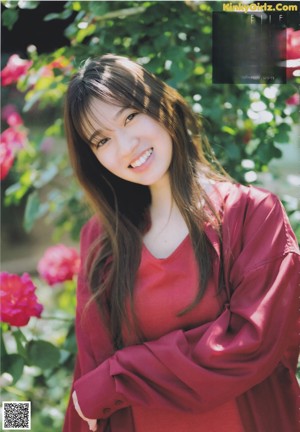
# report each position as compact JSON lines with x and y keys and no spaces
{"x":198,"y":369}
{"x":86,"y":360}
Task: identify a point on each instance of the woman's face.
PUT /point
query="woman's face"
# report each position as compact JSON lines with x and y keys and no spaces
{"x":129,"y":144}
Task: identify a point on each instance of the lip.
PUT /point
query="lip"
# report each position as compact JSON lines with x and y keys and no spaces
{"x":145,"y":153}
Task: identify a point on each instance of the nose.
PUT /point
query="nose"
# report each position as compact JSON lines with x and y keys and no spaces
{"x":127,"y":142}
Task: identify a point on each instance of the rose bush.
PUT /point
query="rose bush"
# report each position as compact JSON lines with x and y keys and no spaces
{"x":12,"y":139}
{"x":59,"y":264}
{"x":15,"y":68}
{"x":36,"y":358}
{"x":18,"y":300}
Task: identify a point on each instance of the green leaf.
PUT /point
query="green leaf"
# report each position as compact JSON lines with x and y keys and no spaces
{"x":64,"y":15}
{"x":284,"y":127}
{"x":233,"y":150}
{"x":13,"y":364}
{"x":31,"y":211}
{"x":56,"y":129}
{"x":83,"y":33}
{"x":15,"y":193}
{"x":70,"y":343}
{"x":98,"y":8}
{"x":43,"y":354}
{"x":46,"y":176}
{"x":76,"y":6}
{"x":20,"y":341}
{"x":9,"y":18}
{"x":10,"y":4}
{"x":31,"y":98}
{"x":282,"y":135}
{"x":229,"y":130}
{"x":3,"y":351}
{"x":276,"y":153}
{"x":26,"y":4}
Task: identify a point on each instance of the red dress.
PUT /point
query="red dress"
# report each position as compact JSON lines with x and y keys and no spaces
{"x":227,"y":365}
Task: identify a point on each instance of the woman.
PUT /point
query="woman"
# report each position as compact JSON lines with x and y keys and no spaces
{"x":187,"y":298}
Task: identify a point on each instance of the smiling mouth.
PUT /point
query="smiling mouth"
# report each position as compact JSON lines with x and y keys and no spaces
{"x":142,"y":159}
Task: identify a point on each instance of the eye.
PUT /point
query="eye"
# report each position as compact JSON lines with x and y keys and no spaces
{"x":101,"y":143}
{"x":130,"y":117}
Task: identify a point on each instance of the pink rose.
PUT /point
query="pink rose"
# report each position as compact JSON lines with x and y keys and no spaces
{"x":11,"y":115}
{"x":58,"y":264}
{"x":14,"y":119}
{"x":7,"y":110}
{"x":289,"y":43}
{"x":6,"y":160}
{"x":14,"y":137}
{"x":15,"y":69}
{"x":18,"y":300}
{"x":293,"y":100}
{"x":11,"y":139}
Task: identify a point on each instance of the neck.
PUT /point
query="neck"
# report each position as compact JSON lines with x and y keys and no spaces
{"x":162,"y":200}
{"x":168,"y":227}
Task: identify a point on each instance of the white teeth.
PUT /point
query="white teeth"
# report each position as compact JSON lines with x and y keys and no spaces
{"x":140,"y":161}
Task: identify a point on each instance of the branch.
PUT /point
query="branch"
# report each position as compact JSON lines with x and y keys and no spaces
{"x":122,"y":13}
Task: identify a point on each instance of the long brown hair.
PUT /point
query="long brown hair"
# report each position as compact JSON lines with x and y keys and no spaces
{"x":123,"y":206}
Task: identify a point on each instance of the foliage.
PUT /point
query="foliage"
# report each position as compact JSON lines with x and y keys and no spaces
{"x":244,"y":123}
{"x":37,"y":360}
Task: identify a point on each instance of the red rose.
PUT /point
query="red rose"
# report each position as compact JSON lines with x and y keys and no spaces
{"x":18,"y":300}
{"x":6,"y":160}
{"x":15,"y":68}
{"x":292,"y":44}
{"x":59,"y":263}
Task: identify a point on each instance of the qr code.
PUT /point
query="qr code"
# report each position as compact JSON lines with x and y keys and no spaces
{"x":16,"y":416}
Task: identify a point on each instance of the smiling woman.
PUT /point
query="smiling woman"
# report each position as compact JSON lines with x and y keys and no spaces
{"x":133,"y":146}
{"x":188,"y":292}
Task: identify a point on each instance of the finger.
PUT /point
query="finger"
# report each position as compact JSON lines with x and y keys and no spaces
{"x":75,"y":401}
{"x":92,"y":425}
{"x":77,"y":407}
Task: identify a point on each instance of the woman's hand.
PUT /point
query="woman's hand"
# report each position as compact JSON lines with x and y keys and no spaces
{"x":91,"y":422}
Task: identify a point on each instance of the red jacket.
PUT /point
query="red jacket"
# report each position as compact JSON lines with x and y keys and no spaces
{"x":248,"y":353}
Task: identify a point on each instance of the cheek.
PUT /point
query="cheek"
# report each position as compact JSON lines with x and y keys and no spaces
{"x":105,"y":159}
{"x":158,"y":132}
{"x":168,"y":145}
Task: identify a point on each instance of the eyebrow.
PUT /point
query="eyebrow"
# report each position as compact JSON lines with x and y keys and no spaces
{"x":116,"y":116}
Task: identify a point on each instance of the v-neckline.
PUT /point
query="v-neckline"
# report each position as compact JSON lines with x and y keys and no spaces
{"x":174,"y":253}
